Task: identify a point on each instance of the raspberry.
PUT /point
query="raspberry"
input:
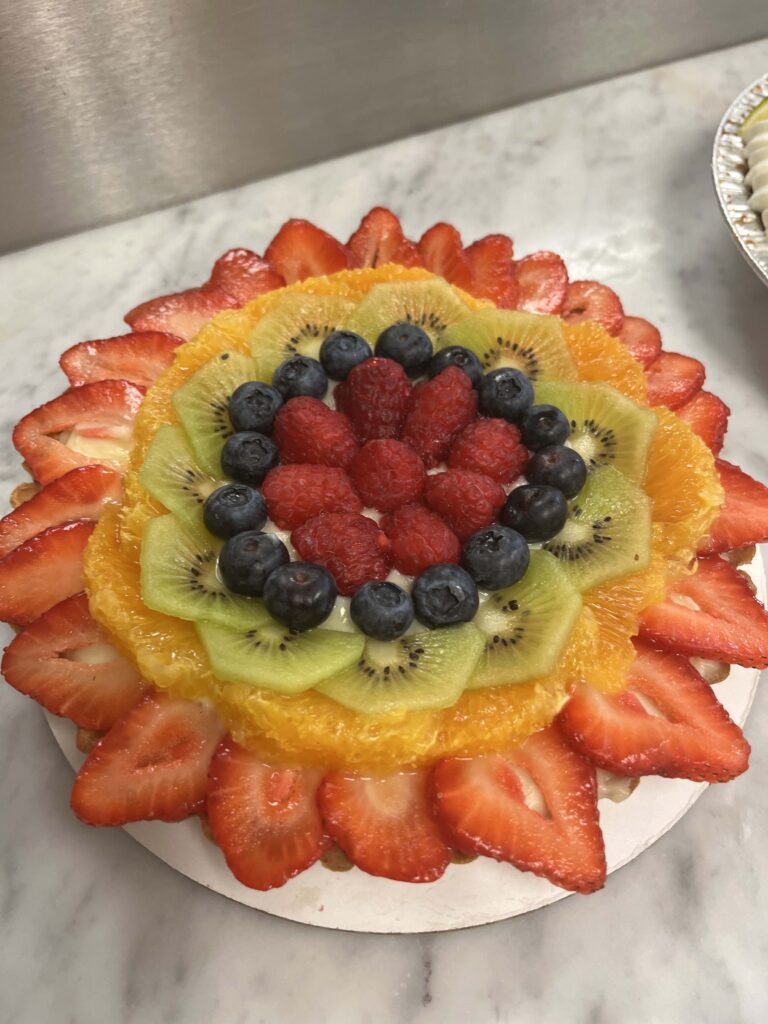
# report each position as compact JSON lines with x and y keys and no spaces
{"x":375,"y":396}
{"x":466,"y":501}
{"x":354,"y":549}
{"x":306,"y":430}
{"x":387,"y":474}
{"x":440,"y":409}
{"x":299,"y":492}
{"x":491,"y":447}
{"x":419,"y":539}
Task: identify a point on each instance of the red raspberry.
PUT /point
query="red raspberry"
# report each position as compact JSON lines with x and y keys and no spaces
{"x":419,"y":539}
{"x":491,"y":447}
{"x":466,"y":501}
{"x":354,"y":549}
{"x":306,"y":430}
{"x":375,"y":396}
{"x":299,"y":492}
{"x":387,"y":474}
{"x":440,"y":409}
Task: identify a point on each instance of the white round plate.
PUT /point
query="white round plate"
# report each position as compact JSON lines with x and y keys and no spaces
{"x":468,"y":894}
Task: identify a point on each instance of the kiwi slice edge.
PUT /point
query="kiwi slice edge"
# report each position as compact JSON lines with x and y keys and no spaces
{"x":296,"y":324}
{"x":430,"y":304}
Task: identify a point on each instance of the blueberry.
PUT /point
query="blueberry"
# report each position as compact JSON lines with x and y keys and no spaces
{"x":299,"y":376}
{"x":233,"y":509}
{"x":543,"y":425}
{"x":444,"y":595}
{"x":505,"y":393}
{"x":495,"y":557}
{"x":381,"y":610}
{"x":247,"y":457}
{"x":457,"y":355}
{"x":558,"y":467}
{"x":536,"y":511}
{"x":300,"y":595}
{"x":254,"y":405}
{"x":341,"y":352}
{"x":247,"y":560}
{"x":406,"y":344}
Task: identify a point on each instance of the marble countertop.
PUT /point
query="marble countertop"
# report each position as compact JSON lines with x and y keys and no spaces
{"x":616,"y":178}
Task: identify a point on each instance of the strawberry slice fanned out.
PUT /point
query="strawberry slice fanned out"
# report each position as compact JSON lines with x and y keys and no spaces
{"x":492,"y":270}
{"x":707,"y":416}
{"x":151,"y":765}
{"x":182,"y":313}
{"x":103,"y":410}
{"x":379,"y":239}
{"x":711,"y":614}
{"x":63,"y":661}
{"x":244,"y":275}
{"x":481,"y":802}
{"x":300,"y":249}
{"x":139,"y":358}
{"x":590,"y":300}
{"x":691,"y":736}
{"x":641,"y":339}
{"x":542,"y":282}
{"x":264,"y":818}
{"x":743,"y":519}
{"x":385,"y":825}
{"x":673,"y":379}
{"x":441,"y":252}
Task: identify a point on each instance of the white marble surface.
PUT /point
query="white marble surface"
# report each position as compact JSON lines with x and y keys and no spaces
{"x":94,"y":929}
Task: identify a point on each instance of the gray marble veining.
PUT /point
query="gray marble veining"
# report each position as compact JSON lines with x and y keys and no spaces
{"x":94,"y":929}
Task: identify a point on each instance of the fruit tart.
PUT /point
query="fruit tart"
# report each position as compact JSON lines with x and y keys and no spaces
{"x":386,"y":546}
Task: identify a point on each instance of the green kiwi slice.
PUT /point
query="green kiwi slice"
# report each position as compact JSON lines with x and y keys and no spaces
{"x":527,"y":625}
{"x":607,"y":429}
{"x":607,"y":532}
{"x":503,"y":337}
{"x":425,"y":670}
{"x":296,"y":325}
{"x":430,"y":304}
{"x":270,"y":656}
{"x":202,"y":405}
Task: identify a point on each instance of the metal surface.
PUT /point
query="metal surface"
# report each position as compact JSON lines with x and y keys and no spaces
{"x":113,"y":108}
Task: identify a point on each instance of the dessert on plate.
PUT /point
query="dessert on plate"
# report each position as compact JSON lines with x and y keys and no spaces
{"x":395,"y":546}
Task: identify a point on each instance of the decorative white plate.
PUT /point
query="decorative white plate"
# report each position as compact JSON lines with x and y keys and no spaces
{"x":729,"y":168}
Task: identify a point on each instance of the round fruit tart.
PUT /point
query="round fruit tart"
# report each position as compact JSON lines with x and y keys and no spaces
{"x":391,"y":546}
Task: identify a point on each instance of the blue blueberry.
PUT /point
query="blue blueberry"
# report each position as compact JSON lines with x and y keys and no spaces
{"x":505,"y":393}
{"x":445,"y":595}
{"x":456,"y":355}
{"x":406,"y":344}
{"x":300,"y":595}
{"x":299,"y":376}
{"x":543,"y":425}
{"x":496,"y":557}
{"x":381,"y":610}
{"x":247,"y":457}
{"x":254,"y":405}
{"x":558,"y":466}
{"x":341,"y":352}
{"x":233,"y":509}
{"x":536,"y":511}
{"x":247,"y":560}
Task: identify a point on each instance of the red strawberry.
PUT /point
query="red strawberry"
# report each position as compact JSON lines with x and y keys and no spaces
{"x":590,"y":300}
{"x":106,"y":409}
{"x":306,"y":430}
{"x":297,"y":493}
{"x":300,"y":250}
{"x":151,"y":765}
{"x":375,"y":396}
{"x":466,"y":501}
{"x":707,"y":416}
{"x":42,"y":572}
{"x":387,"y":474}
{"x":491,"y":447}
{"x":182,"y":313}
{"x":264,"y":817}
{"x":385,"y":825}
{"x":243,"y":275}
{"x":139,"y":358}
{"x":379,"y":239}
{"x":441,"y":252}
{"x":712,"y":614}
{"x":641,"y":339}
{"x":493,"y":276}
{"x":79,"y":494}
{"x":353,"y":548}
{"x":542,"y":282}
{"x":419,"y":539}
{"x":481,"y":803}
{"x":743,"y":518}
{"x":673,"y":379}
{"x":692,"y":738}
{"x":39,"y":663}
{"x":440,"y":409}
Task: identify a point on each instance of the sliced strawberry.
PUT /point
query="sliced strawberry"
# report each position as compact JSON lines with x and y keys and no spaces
{"x":300,"y":250}
{"x":264,"y":818}
{"x":182,"y":313}
{"x":481,"y":803}
{"x":711,"y":614}
{"x":707,"y":416}
{"x":542,"y":282}
{"x":673,"y":379}
{"x":243,"y":275}
{"x":42,"y":572}
{"x":493,"y":275}
{"x":590,"y":300}
{"x":691,"y":738}
{"x":743,"y":518}
{"x":441,"y":252}
{"x":379,"y":239}
{"x":63,"y":661}
{"x":79,"y":494}
{"x":139,"y":358}
{"x":641,"y":339}
{"x":105,"y":409}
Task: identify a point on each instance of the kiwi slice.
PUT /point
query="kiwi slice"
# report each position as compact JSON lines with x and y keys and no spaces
{"x":607,"y":532}
{"x":430,"y":304}
{"x":425,"y":670}
{"x":527,"y":625}
{"x":202,"y":405}
{"x":607,"y":429}
{"x":270,"y":656}
{"x":502,"y":337}
{"x":296,"y":325}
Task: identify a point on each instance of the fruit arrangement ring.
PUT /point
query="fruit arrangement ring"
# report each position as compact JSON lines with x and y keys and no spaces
{"x":385,"y":545}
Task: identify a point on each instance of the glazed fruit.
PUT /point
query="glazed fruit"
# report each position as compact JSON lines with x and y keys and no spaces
{"x":430,"y":305}
{"x":299,"y":376}
{"x":743,"y":519}
{"x":406,"y":344}
{"x":456,"y":355}
{"x":492,"y":447}
{"x":419,"y":538}
{"x":381,"y":610}
{"x":376,"y":396}
{"x":590,"y":300}
{"x":139,"y":358}
{"x":246,"y":561}
{"x":253,"y":406}
{"x":171,"y":475}
{"x":353,"y":548}
{"x":297,"y":493}
{"x":301,"y":249}
{"x":342,"y":351}
{"x":505,"y":393}
{"x":379,"y":239}
{"x":557,"y":466}
{"x":440,"y":409}
{"x":542,"y":282}
{"x":445,"y":595}
{"x":387,"y":474}
{"x":248,"y":457}
{"x":543,"y":425}
{"x":301,"y":595}
{"x":307,"y":431}
{"x":466,"y":501}
{"x":538,"y":511}
{"x":495,"y":557}
{"x":296,"y":326}
{"x":234,"y":508}
{"x":673,"y":379}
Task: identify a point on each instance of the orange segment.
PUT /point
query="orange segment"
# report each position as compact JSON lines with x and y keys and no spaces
{"x":601,"y":357}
